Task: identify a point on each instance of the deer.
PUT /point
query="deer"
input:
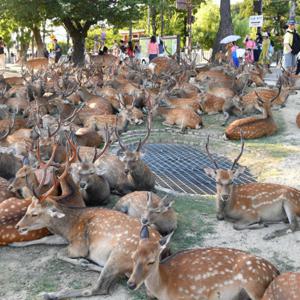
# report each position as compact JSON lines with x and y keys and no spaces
{"x":150,"y":207}
{"x":94,"y":188}
{"x":285,"y":286}
{"x":5,"y":193}
{"x":255,"y":127}
{"x":253,"y":205}
{"x":38,"y":63}
{"x":104,"y":237}
{"x":298,"y":120}
{"x":140,"y":174}
{"x":199,"y":273}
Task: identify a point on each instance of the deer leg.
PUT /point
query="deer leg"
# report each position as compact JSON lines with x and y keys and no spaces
{"x":248,"y":224}
{"x":226,"y":117}
{"x":47,"y":240}
{"x":293,"y":226}
{"x":81,"y":262}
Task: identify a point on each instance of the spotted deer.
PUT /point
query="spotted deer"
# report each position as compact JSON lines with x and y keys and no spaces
{"x":150,"y":207}
{"x":104,"y":237}
{"x":253,"y":205}
{"x":140,"y":174}
{"x":285,"y":286}
{"x":200,"y":273}
{"x":256,"y":126}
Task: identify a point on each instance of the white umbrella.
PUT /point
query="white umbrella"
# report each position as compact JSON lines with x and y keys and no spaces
{"x":229,"y":39}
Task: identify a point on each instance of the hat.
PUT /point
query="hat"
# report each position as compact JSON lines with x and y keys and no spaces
{"x":265,"y":34}
{"x":291,"y":22}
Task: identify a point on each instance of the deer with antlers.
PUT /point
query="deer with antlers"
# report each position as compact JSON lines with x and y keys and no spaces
{"x":105,"y":237}
{"x":150,"y":207}
{"x":200,"y":273}
{"x":255,"y":127}
{"x":140,"y":174}
{"x":285,"y":286}
{"x":253,"y":205}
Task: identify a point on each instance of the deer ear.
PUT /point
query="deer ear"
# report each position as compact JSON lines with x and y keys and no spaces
{"x":210,"y":172}
{"x":163,"y":243}
{"x":240,"y":170}
{"x":53,"y":212}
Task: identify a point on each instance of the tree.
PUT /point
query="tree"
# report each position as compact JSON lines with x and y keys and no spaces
{"x":225,"y":26}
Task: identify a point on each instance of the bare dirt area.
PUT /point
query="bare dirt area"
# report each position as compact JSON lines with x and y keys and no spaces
{"x":27,"y":272}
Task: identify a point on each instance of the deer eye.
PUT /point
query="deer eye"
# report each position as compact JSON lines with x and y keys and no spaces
{"x":151,"y":263}
{"x":34,"y":214}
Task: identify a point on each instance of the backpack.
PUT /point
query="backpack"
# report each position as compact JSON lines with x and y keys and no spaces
{"x":296,"y":43}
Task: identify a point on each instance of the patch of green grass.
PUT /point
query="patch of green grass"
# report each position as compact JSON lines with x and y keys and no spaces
{"x":287,"y":265}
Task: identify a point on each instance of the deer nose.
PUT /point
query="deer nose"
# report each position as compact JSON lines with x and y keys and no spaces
{"x":10,"y":187}
{"x":131,"y":285}
{"x":17,"y":227}
{"x":126,"y":171}
{"x":225,"y":197}
{"x":83,"y":185}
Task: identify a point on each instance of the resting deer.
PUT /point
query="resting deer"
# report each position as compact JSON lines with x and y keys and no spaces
{"x":253,"y":205}
{"x":150,"y":207}
{"x":199,"y":274}
{"x":254,"y":127}
{"x":141,"y":175}
{"x":105,"y":237}
{"x":286,"y":286}
{"x":94,"y":188}
{"x":298,"y":120}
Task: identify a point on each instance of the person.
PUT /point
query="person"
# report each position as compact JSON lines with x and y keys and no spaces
{"x":161,"y":48}
{"x":103,"y":51}
{"x":264,"y":57}
{"x":249,"y":46}
{"x":137,"y":50}
{"x":122,"y":46}
{"x":257,"y":49}
{"x":289,"y":58}
{"x":153,"y":50}
{"x":57,"y":50}
{"x":234,"y":58}
{"x":129,"y":50}
{"x":2,"y":53}
{"x":115,"y":49}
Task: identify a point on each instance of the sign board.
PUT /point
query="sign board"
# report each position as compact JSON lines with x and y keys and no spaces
{"x":181,"y":4}
{"x":256,"y":21}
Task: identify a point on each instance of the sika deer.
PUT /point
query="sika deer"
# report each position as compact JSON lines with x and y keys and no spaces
{"x":105,"y":237}
{"x":251,"y":204}
{"x":286,"y":286}
{"x":150,"y":207}
{"x":254,"y":127}
{"x":142,"y":177}
{"x":198,"y":274}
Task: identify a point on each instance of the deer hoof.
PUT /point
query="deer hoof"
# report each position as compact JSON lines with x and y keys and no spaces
{"x":269,"y":236}
{"x":49,"y":296}
{"x":220,"y":217}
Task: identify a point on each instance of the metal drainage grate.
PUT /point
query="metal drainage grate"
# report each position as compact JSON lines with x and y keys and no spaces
{"x":179,"y":168}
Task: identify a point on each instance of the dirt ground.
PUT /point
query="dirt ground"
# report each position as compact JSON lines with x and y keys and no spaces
{"x":26,"y":272}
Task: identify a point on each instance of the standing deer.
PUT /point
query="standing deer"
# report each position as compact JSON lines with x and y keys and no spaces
{"x":105,"y":237}
{"x":141,"y":175}
{"x":251,"y":204}
{"x":254,"y":127}
{"x":198,"y":274}
{"x":150,"y":207}
{"x":286,"y":286}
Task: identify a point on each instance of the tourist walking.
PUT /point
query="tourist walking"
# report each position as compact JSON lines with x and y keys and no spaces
{"x":161,"y":48}
{"x":291,"y":46}
{"x":257,"y":49}
{"x":57,"y":50}
{"x":2,"y":54}
{"x":130,"y":50}
{"x":137,"y":50}
{"x":153,"y":50}
{"x":264,"y":57}
{"x":234,"y":58}
{"x":249,"y":46}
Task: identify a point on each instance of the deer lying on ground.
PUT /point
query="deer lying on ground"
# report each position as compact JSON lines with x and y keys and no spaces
{"x":105,"y":237}
{"x":285,"y":286}
{"x":94,"y":188}
{"x":150,"y":207}
{"x":140,"y":174}
{"x":5,"y":193}
{"x":256,"y":126}
{"x":199,"y":274}
{"x":253,"y":205}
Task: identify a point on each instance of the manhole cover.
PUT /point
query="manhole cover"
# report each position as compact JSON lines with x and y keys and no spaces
{"x":179,"y":168}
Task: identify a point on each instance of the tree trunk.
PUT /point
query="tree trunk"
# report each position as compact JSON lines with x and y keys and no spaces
{"x":153,"y":19}
{"x":162,"y":19}
{"x":293,"y":6}
{"x":130,"y":30}
{"x":78,"y":34}
{"x":225,"y":27}
{"x":38,"y":40}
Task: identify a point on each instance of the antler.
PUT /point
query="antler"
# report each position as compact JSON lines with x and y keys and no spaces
{"x":149,"y":124}
{"x":105,"y":147}
{"x":122,"y":145}
{"x":241,"y":152}
{"x":273,"y":99}
{"x":209,"y":154}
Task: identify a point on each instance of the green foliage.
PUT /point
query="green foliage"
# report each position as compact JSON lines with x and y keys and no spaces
{"x":206,"y":25}
{"x":241,"y":28}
